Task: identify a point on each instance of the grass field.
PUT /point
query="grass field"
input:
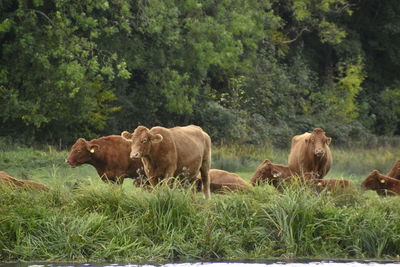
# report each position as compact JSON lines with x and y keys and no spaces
{"x":100,"y":222}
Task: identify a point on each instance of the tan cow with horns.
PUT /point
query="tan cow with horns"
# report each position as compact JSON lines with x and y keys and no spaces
{"x":172,"y":152}
{"x":310,"y":152}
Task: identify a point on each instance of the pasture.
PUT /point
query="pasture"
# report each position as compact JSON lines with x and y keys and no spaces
{"x":83,"y":219}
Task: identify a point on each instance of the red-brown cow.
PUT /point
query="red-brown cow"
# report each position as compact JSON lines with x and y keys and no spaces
{"x":310,"y":152}
{"x":382,"y":184}
{"x":109,"y":155}
{"x":221,"y":181}
{"x":331,"y":185}
{"x":178,"y":151}
{"x":25,"y":184}
{"x":395,"y":171}
{"x":275,"y":174}
{"x":268,"y":172}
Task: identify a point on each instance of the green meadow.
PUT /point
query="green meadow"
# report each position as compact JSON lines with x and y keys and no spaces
{"x":83,"y":219}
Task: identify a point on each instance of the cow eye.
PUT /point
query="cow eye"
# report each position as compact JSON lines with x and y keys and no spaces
{"x":312,"y":140}
{"x":144,"y":140}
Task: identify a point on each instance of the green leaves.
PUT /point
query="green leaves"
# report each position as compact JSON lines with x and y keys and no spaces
{"x":330,"y":33}
{"x":6,"y":25}
{"x":71,"y":68}
{"x":60,"y":75}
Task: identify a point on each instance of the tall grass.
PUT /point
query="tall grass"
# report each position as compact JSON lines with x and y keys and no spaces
{"x":83,"y":219}
{"x":107,"y":223}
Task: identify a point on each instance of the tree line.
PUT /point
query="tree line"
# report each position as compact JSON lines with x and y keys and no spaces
{"x":247,"y":71}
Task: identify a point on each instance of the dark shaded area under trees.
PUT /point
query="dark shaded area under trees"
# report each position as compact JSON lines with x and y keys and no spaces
{"x":247,"y":71}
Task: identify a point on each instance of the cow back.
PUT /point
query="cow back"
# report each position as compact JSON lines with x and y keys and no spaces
{"x":26,"y":184}
{"x":192,"y":146}
{"x":395,"y":171}
{"x":221,"y":180}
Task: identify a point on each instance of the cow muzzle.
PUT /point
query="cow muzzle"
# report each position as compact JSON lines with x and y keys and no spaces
{"x":136,"y":155}
{"x":70,"y":163}
{"x":319,"y":153}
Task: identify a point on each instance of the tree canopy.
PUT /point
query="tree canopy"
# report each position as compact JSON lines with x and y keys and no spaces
{"x":245,"y":70}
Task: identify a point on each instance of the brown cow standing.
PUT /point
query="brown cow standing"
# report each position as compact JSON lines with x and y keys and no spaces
{"x":172,"y":152}
{"x":25,"y":184}
{"x":221,"y":181}
{"x":382,"y":184}
{"x":395,"y":171}
{"x":109,"y":155}
{"x":310,"y":152}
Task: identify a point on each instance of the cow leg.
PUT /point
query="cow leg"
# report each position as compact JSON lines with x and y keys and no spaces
{"x":205,"y":180}
{"x":168,"y":177}
{"x":119,"y":180}
{"x":105,"y":178}
{"x":153,"y":180}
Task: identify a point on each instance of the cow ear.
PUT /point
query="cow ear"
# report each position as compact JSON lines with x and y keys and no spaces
{"x":157,"y":138}
{"x":93,"y":148}
{"x":267,"y":161}
{"x":328,"y":140}
{"x":126,"y":135}
{"x":83,"y":140}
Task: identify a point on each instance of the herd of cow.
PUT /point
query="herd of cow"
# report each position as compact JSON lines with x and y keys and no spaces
{"x":152,"y":156}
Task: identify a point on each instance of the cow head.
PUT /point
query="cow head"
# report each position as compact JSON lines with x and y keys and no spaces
{"x":374,"y":181}
{"x":141,"y":141}
{"x":261,"y":172}
{"x":266,"y":172}
{"x":318,"y":141}
{"x":81,"y":152}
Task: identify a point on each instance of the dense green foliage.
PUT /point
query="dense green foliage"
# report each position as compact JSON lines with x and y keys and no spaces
{"x":247,"y":71}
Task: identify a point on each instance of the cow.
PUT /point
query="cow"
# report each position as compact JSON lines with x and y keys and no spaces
{"x":222,"y":181}
{"x":310,"y":152}
{"x":330,"y":185}
{"x":24,"y":184}
{"x":275,"y":174}
{"x":395,"y":171}
{"x":172,"y":152}
{"x":382,"y":184}
{"x":109,"y":155}
{"x":268,"y":172}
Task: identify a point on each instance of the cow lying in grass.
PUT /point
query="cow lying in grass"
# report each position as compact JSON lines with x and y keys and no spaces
{"x":277,"y":174}
{"x":268,"y":172}
{"x":220,"y":181}
{"x":17,"y":183}
{"x":274,"y":174}
{"x":382,"y":184}
{"x":331,"y":185}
